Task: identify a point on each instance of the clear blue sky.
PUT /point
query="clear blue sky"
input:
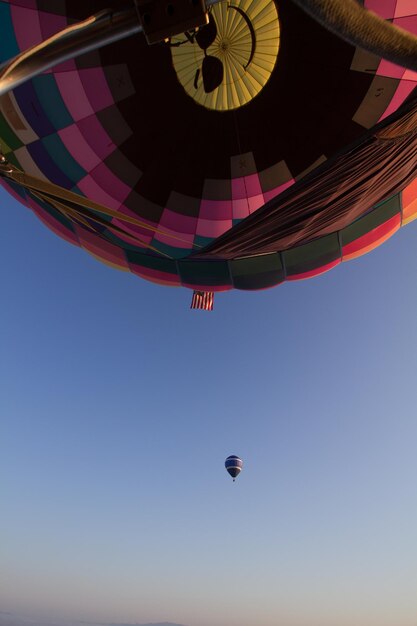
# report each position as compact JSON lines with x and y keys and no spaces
{"x":119,"y":405}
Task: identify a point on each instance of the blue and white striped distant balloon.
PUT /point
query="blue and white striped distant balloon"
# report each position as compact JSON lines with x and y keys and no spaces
{"x":233,"y":465}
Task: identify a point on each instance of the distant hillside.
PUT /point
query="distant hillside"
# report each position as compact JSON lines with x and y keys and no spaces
{"x":12,"y":619}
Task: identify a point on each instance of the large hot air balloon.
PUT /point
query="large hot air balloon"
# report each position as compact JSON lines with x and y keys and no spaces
{"x":269,"y":144}
{"x":233,"y":465}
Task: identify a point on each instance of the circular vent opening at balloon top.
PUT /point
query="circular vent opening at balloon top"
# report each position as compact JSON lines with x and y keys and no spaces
{"x":228,"y":62}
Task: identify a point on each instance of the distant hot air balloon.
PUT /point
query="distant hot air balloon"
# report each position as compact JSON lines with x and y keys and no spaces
{"x":271,"y":143}
{"x":234,"y":465}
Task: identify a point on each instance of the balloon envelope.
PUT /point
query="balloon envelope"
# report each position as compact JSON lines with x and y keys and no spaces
{"x":233,"y":465}
{"x":217,"y":189}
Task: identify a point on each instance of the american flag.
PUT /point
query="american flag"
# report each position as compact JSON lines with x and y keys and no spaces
{"x":203,"y":300}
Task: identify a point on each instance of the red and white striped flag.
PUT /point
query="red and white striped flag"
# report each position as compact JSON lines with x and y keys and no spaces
{"x":203,"y":300}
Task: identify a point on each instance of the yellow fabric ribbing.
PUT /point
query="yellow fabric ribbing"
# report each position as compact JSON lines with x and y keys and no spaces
{"x":248,"y":60}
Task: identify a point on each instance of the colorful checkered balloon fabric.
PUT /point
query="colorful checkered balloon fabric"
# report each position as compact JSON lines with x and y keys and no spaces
{"x":173,"y":176}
